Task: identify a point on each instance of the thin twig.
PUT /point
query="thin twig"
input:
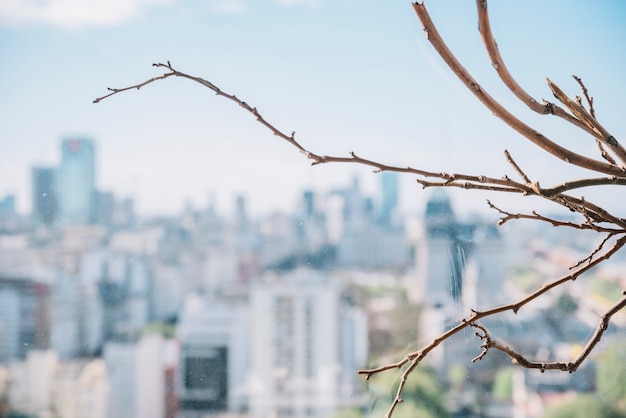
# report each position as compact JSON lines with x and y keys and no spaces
{"x":535,"y":216}
{"x":569,"y":366}
{"x":594,"y":252}
{"x":589,"y":99}
{"x":516,"y":167}
{"x":581,"y":113}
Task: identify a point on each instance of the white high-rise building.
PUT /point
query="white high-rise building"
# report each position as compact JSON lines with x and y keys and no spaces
{"x":460,"y":267}
{"x":9,"y":324}
{"x":65,"y":319}
{"x":303,"y":337}
{"x":32,"y":381}
{"x":214,"y":348}
{"x":136,"y":374}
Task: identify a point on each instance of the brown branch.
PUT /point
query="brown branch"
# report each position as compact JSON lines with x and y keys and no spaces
{"x":495,"y":107}
{"x":535,"y":216}
{"x":592,"y":213}
{"x":589,"y":99}
{"x":585,"y":207}
{"x":516,"y":167}
{"x":136,"y":86}
{"x":416,"y":357}
{"x":491,"y":46}
{"x":451,"y":180}
{"x":468,"y":185}
{"x":578,"y":184}
{"x":581,"y":113}
{"x":594,"y":252}
{"x":570,"y":366}
{"x":484,"y":27}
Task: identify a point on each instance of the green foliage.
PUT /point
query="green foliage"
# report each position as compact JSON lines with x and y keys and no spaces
{"x":14,"y":414}
{"x":583,"y":406}
{"x":348,"y":413}
{"x":422,"y":394}
{"x":604,"y":288}
{"x":394,"y":330}
{"x":166,"y":330}
{"x":524,"y":278}
{"x":406,"y":410}
{"x":503,"y":384}
{"x":609,"y":401}
{"x":566,"y":304}
{"x":611,"y":377}
{"x":457,"y":375}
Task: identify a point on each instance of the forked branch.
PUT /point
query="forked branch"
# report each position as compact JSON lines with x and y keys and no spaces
{"x":412,"y":360}
{"x":594,"y":217}
{"x":500,"y":111}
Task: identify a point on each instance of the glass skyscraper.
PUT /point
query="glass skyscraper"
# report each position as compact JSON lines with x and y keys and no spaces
{"x":44,"y":195}
{"x":389,"y":201}
{"x":76,"y":187}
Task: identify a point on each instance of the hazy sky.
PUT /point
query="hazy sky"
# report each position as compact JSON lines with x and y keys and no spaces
{"x":346,"y":75}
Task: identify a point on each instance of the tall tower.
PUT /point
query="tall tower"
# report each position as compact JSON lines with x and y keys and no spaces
{"x":440,"y":262}
{"x":446,"y":244}
{"x":389,"y":197}
{"x":76,"y":182}
{"x":306,"y":342}
{"x":44,"y":195}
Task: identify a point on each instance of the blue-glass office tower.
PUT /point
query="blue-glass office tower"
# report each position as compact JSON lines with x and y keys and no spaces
{"x":76,"y":188}
{"x":389,"y":197}
{"x":44,"y":195}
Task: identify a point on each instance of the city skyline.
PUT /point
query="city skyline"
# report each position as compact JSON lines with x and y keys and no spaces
{"x":65,"y":193}
{"x":346,"y":76}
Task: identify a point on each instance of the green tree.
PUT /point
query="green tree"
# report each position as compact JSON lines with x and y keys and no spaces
{"x":566,"y":304}
{"x":611,"y":377}
{"x":423,"y":396}
{"x":166,"y":330}
{"x":583,"y":406}
{"x":348,"y":413}
{"x":503,"y":384}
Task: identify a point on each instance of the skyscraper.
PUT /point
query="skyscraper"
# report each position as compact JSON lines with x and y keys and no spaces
{"x":389,"y":197}
{"x":44,"y":195}
{"x":76,"y":182}
{"x":306,"y":344}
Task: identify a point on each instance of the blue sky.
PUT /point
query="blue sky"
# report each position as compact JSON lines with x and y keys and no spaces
{"x":346,"y":75}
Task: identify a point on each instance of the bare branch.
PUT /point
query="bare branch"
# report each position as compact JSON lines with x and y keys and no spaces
{"x":587,"y":97}
{"x":516,"y":167}
{"x":136,"y":86}
{"x":595,"y":217}
{"x":417,"y":356}
{"x":570,"y":366}
{"x":491,"y":46}
{"x":534,"y":136}
{"x":589,"y":225}
{"x":484,"y":26}
{"x":581,"y":113}
{"x":594,"y":252}
{"x":578,"y":184}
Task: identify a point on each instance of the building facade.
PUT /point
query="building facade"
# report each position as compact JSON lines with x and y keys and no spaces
{"x":76,"y":182}
{"x":45,"y":198}
{"x":303,"y":338}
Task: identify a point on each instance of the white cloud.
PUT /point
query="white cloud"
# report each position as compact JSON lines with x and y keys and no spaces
{"x":228,"y":6}
{"x":313,"y":3}
{"x":72,"y":13}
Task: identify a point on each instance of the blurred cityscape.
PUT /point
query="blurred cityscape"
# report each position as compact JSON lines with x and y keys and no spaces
{"x":206,"y":314}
